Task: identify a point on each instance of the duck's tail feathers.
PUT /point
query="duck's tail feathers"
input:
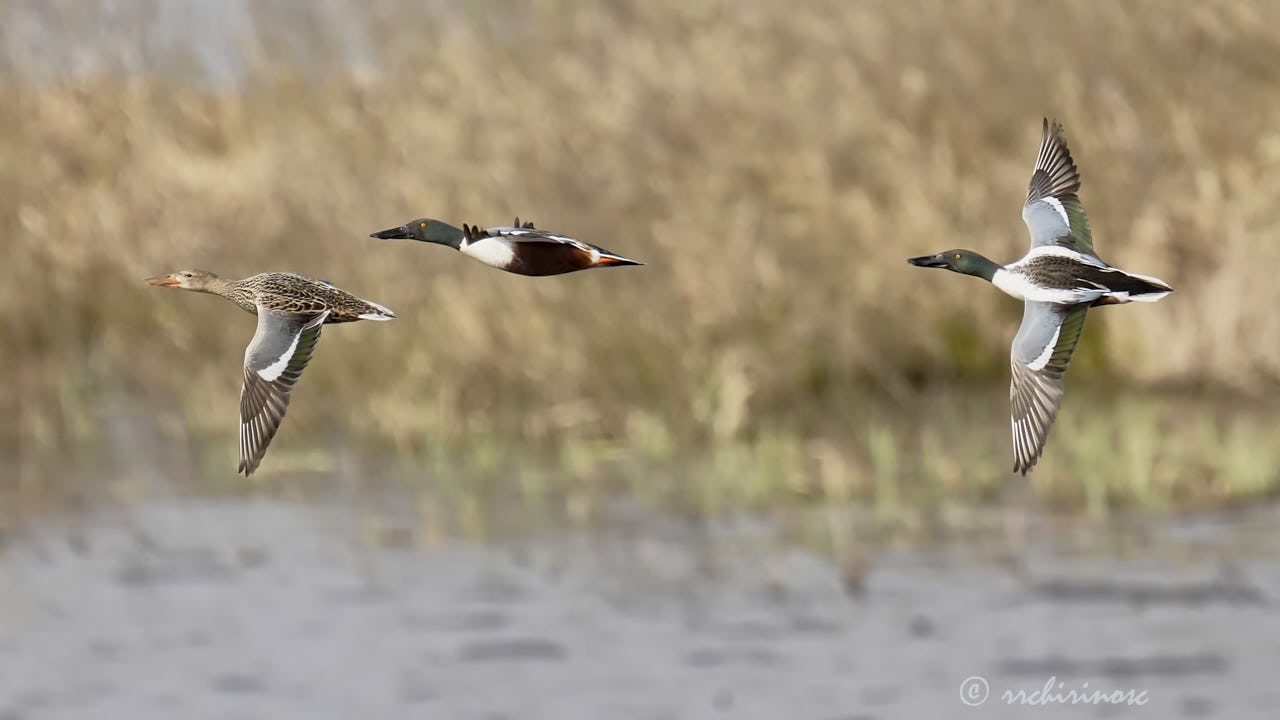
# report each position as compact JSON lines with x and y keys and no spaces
{"x":1125,"y":287}
{"x":1146,"y":288}
{"x":376,"y":312}
{"x":608,"y":258}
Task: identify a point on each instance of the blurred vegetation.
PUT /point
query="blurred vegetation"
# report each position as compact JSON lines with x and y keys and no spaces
{"x":773,"y":163}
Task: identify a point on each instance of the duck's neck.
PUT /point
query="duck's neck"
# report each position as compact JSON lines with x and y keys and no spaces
{"x":220,"y":286}
{"x":979,"y":266}
{"x":445,"y":234}
{"x":237,"y":291}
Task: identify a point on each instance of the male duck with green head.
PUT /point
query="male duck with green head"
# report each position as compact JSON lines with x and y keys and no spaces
{"x":520,"y":249}
{"x":1058,"y":280}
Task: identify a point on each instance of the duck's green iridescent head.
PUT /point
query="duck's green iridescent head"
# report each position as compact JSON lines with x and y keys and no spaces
{"x":965,"y":262}
{"x":424,"y":230}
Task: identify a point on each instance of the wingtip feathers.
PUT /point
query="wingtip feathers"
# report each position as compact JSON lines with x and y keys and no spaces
{"x":1055,"y":172}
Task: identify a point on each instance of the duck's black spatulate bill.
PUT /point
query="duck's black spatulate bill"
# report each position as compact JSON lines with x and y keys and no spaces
{"x":928,"y":261}
{"x":396,"y":233}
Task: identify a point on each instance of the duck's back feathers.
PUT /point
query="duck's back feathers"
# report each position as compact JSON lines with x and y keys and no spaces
{"x":292,"y":293}
{"x":1062,"y":276}
{"x":1053,"y":212}
{"x":521,"y":234}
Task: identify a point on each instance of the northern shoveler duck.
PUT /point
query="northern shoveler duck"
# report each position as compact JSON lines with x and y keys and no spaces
{"x":291,"y":309}
{"x":1058,"y":280}
{"x":520,"y":249}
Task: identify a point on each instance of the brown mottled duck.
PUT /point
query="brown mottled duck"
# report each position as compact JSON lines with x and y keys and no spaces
{"x":291,"y":309}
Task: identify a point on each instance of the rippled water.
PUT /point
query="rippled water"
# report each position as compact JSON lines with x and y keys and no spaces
{"x":265,"y":609}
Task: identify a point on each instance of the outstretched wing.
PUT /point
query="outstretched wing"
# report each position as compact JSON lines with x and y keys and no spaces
{"x":526,"y":234}
{"x":1041,"y":352}
{"x":273,"y":362}
{"x":1053,"y":212}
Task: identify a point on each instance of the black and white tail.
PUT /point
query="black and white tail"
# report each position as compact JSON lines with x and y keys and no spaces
{"x":1125,"y":287}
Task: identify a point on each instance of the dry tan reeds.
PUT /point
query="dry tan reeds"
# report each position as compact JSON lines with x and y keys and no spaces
{"x":773,"y":163}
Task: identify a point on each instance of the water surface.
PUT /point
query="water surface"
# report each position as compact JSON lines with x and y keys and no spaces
{"x":240,"y":608}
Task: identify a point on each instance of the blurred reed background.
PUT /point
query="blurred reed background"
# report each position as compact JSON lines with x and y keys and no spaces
{"x":773,"y":163}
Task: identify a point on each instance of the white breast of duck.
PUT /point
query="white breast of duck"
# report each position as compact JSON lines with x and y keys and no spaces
{"x":497,"y":250}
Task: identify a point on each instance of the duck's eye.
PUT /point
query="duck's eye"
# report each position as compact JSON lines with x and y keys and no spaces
{"x":957,"y":256}
{"x":422,"y":224}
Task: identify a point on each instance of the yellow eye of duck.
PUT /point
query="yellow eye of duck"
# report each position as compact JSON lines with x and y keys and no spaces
{"x":957,"y":256}
{"x":422,"y":224}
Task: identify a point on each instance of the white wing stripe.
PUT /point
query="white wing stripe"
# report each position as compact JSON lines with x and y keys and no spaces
{"x":1043,"y":358}
{"x":1056,"y":204}
{"x":272,"y":371}
{"x":541,"y":234}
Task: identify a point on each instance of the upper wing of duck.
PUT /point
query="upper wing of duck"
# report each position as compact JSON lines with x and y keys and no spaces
{"x":273,"y":362}
{"x":1053,"y":212}
{"x":1041,"y":352}
{"x":527,"y":233}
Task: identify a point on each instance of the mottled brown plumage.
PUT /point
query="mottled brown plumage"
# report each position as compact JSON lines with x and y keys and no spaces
{"x":284,"y":292}
{"x":291,"y":310}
